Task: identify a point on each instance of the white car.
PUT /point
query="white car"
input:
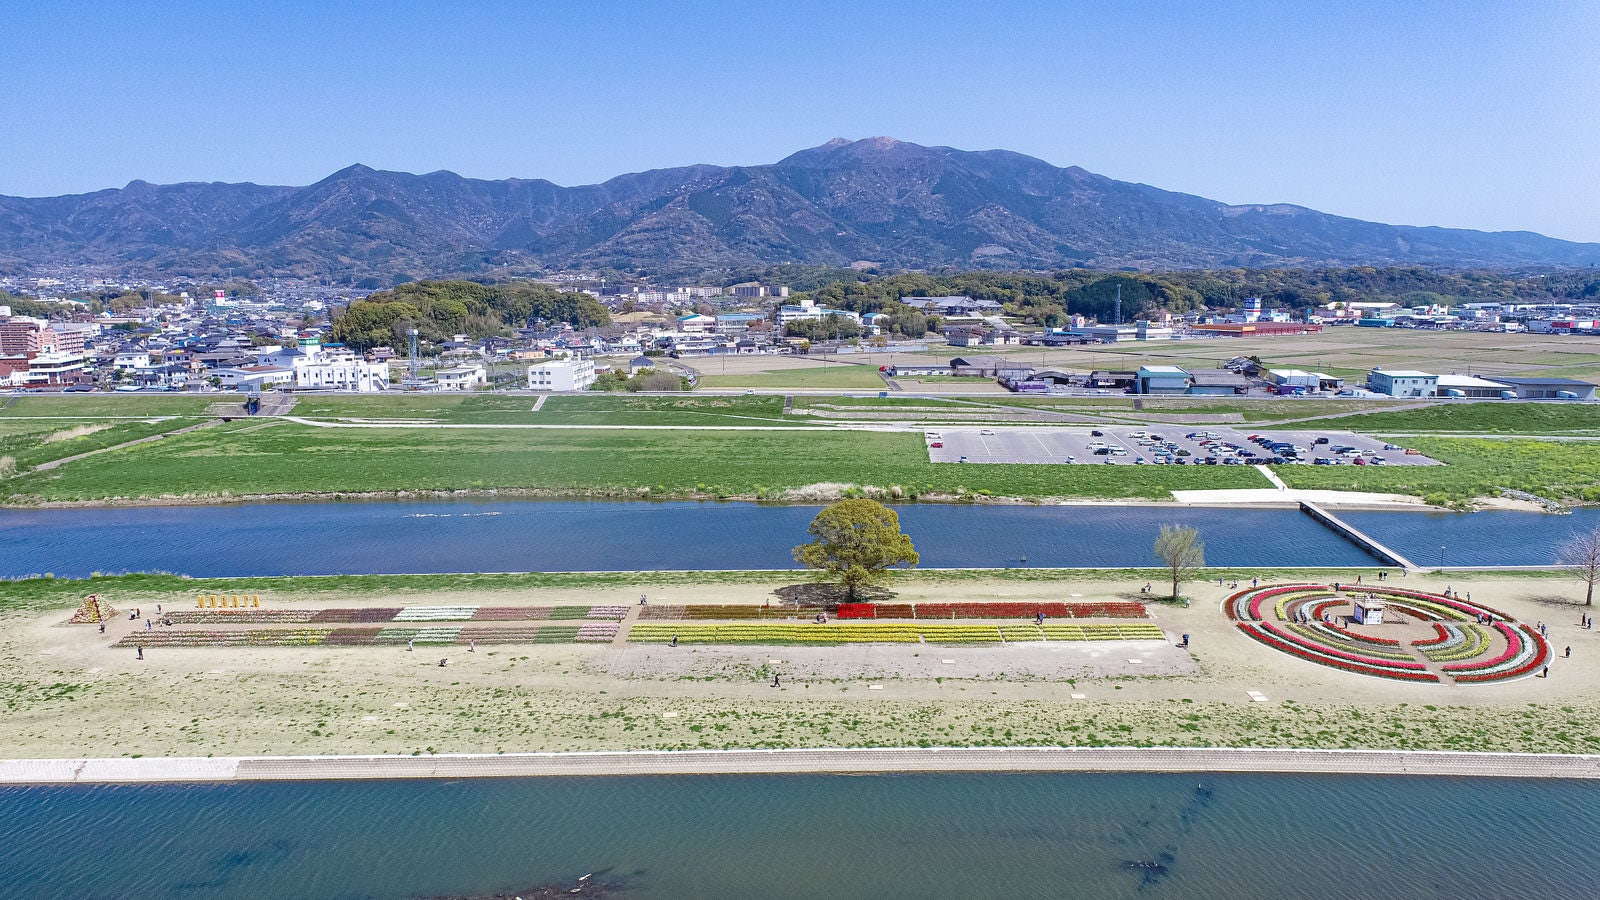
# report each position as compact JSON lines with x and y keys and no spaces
{"x":987,"y":431}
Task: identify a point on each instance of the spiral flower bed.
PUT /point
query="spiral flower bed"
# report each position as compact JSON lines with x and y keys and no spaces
{"x":1297,"y":619}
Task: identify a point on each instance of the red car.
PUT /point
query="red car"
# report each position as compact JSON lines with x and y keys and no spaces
{"x":937,"y":445}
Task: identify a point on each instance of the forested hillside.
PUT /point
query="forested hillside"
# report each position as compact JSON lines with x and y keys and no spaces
{"x":440,"y":309}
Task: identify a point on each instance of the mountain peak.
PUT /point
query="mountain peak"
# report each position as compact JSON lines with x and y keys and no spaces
{"x":878,"y":198}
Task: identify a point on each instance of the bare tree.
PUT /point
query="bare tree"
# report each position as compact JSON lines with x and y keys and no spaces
{"x":1581,"y":557}
{"x":1180,"y":549}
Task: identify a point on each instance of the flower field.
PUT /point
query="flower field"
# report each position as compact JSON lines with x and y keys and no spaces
{"x":1300,"y":620}
{"x":422,"y":636}
{"x":806,"y":633}
{"x":1108,"y":609}
{"x":356,"y":615}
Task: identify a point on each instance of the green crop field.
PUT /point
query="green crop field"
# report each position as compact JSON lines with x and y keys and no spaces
{"x":565,"y":409}
{"x":288,"y":459}
{"x":841,"y":376}
{"x":1474,"y":468}
{"x":1489,"y":417}
{"x":125,"y":405}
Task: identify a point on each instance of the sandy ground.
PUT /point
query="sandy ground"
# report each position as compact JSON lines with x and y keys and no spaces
{"x":65,"y":693}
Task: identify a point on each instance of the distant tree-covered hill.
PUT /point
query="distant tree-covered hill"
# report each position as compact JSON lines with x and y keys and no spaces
{"x":440,"y":309}
{"x":1046,"y":299}
{"x":879,"y":202}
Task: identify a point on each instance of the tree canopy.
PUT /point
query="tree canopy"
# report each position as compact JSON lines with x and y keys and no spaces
{"x":856,"y":542}
{"x":1179,"y":548}
{"x":440,"y":309}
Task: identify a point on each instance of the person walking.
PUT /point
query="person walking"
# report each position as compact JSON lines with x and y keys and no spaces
{"x":411,"y":645}
{"x":140,"y":654}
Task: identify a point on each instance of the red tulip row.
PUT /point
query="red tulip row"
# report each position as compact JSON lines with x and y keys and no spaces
{"x":1525,"y":651}
{"x":1360,"y":638}
{"x":1314,"y":647}
{"x":1001,"y":609}
{"x":1295,"y":650}
{"x":1471,"y":609}
{"x":1246,"y":604}
{"x":1440,"y":636}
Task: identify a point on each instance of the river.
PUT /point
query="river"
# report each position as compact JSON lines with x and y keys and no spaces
{"x":811,"y":836}
{"x":526,"y":535}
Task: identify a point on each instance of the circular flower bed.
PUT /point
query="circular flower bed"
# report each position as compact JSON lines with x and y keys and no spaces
{"x":1426,"y":637}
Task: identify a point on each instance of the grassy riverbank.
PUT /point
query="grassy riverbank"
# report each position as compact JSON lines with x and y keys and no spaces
{"x":66,"y":692}
{"x":242,"y":458}
{"x":765,"y":458}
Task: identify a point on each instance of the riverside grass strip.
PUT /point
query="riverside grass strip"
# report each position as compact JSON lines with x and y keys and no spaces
{"x":292,"y":459}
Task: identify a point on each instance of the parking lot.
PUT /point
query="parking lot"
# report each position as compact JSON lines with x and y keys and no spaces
{"x":1133,"y":445}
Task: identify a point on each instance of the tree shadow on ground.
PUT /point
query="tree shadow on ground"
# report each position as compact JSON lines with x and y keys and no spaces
{"x":1555,"y":600}
{"x":812,"y":595}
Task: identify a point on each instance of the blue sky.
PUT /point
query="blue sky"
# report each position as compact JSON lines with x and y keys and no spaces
{"x":1471,"y":114}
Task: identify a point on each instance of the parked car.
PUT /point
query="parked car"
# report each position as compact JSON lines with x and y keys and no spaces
{"x":1320,"y":440}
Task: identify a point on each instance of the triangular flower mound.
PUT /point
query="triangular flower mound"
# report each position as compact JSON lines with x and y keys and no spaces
{"x":92,"y":610}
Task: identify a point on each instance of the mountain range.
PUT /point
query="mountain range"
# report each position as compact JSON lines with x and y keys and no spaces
{"x":887,"y":203}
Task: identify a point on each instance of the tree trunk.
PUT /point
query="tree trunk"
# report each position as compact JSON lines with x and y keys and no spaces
{"x":1174,"y":588}
{"x":1588,"y":599}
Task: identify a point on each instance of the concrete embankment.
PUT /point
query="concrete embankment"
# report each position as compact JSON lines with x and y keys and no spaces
{"x":817,"y":761}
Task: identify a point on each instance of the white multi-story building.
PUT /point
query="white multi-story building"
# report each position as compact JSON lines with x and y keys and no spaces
{"x":808,"y":309}
{"x":573,"y":374}
{"x":318,"y":368}
{"x":461,"y":378}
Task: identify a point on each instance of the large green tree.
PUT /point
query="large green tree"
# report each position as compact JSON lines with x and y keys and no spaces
{"x":1179,"y":548}
{"x":856,"y":542}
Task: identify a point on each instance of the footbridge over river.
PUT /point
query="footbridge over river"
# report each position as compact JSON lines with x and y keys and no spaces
{"x":1355,"y":535}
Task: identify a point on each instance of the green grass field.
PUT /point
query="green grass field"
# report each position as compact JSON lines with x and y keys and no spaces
{"x":584,"y":409}
{"x":839,"y":376}
{"x":1474,"y":468}
{"x":1489,"y":417}
{"x":25,"y":443}
{"x":226,"y":462}
{"x":113,"y":405}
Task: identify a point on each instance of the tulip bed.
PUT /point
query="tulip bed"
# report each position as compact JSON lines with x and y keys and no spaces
{"x":862,"y":632}
{"x":1318,"y":633}
{"x":1526,"y":650}
{"x":357,"y":615}
{"x":1245,"y":606}
{"x":1299,"y":629}
{"x":1465,"y":642}
{"x":296,"y":637}
{"x":1327,"y":656}
{"x":451,"y":635}
{"x":1109,"y":609}
{"x":240,"y":616}
{"x":678,"y":613}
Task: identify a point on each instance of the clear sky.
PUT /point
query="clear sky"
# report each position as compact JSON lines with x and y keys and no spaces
{"x":1466,"y":113}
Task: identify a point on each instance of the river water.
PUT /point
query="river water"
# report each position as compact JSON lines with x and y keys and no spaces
{"x":811,"y":836}
{"x":521,"y":535}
